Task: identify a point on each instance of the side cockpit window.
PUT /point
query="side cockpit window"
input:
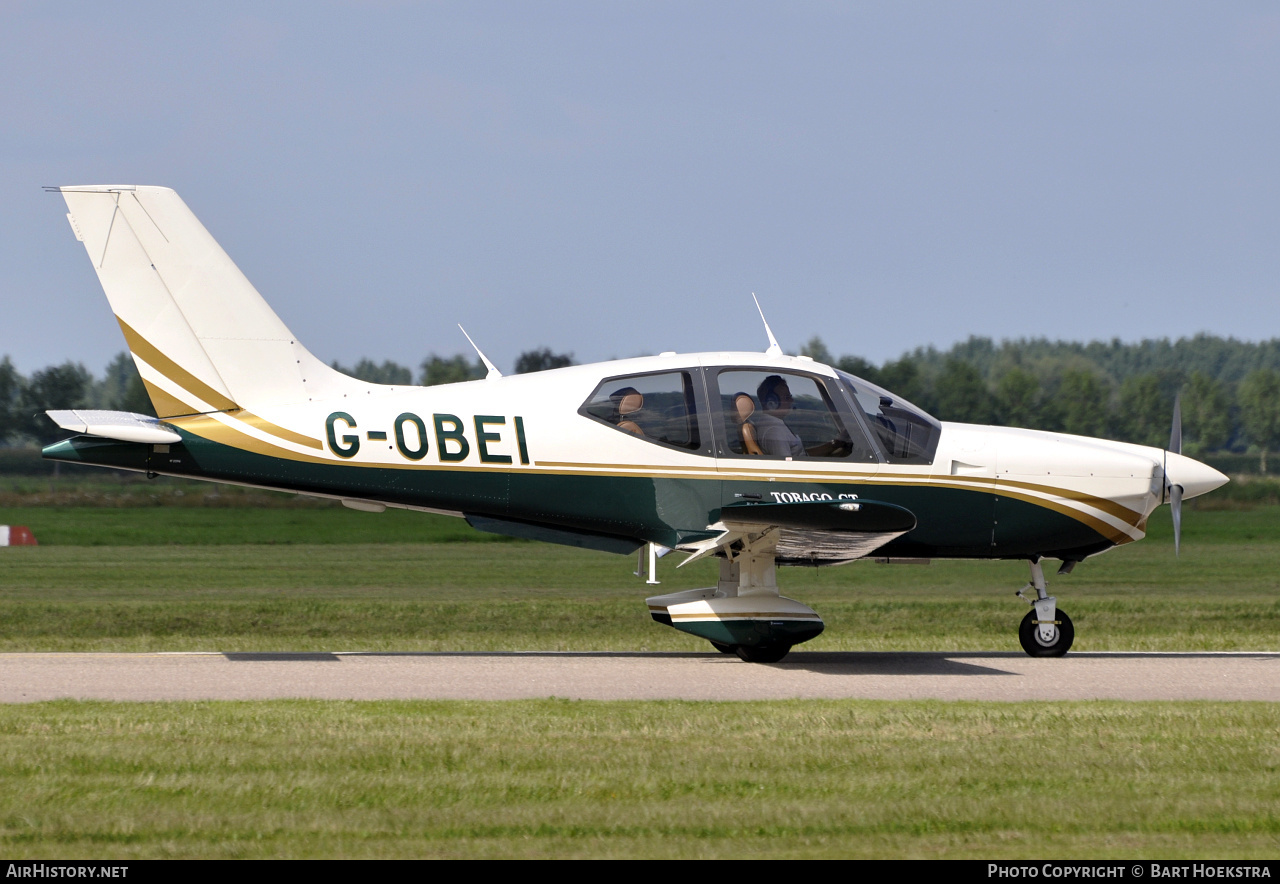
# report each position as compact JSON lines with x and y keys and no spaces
{"x":656,"y":407}
{"x":784,"y":415}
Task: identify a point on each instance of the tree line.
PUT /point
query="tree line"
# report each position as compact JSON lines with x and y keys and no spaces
{"x":1230,"y":390}
{"x":23,"y":400}
{"x":449,"y":370}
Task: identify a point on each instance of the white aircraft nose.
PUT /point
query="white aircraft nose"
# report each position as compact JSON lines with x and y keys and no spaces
{"x":1194,"y":477}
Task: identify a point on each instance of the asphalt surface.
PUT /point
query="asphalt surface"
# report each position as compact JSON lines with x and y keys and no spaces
{"x":638,"y":676}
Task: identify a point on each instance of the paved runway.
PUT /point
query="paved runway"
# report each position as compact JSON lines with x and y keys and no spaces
{"x":638,"y":676}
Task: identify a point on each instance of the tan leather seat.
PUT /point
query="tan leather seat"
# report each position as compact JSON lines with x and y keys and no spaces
{"x":630,"y":404}
{"x":743,"y":407}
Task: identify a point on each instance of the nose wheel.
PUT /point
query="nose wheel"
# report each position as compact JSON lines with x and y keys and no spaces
{"x":1045,"y":631}
{"x":1061,"y":634}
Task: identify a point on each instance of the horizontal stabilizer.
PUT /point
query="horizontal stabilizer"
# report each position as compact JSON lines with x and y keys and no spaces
{"x":122,"y":425}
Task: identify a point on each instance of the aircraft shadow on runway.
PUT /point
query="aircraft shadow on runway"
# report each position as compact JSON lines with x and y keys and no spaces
{"x":885,"y":663}
{"x":823,"y":662}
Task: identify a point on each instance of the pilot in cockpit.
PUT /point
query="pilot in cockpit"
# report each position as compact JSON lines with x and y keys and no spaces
{"x":773,"y":434}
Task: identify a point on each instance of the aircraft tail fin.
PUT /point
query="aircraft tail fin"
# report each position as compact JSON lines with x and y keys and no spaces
{"x":202,"y":337}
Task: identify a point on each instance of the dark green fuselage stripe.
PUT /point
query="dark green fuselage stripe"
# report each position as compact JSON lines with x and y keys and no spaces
{"x":952,"y":522}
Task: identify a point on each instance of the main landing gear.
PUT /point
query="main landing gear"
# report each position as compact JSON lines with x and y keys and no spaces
{"x":1045,"y":631}
{"x":743,"y":614}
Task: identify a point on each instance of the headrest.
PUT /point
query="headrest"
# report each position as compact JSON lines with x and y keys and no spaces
{"x":631,"y":403}
{"x":745,"y":406}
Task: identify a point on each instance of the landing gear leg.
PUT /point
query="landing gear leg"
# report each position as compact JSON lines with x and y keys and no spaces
{"x":1045,"y":631}
{"x":743,"y":614}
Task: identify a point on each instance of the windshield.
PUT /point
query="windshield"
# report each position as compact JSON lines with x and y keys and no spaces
{"x":908,"y":434}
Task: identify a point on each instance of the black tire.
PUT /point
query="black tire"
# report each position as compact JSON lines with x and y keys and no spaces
{"x":763,"y":654}
{"x":1029,"y":636}
{"x":724,"y":649}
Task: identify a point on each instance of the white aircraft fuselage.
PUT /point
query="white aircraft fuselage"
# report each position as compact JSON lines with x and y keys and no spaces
{"x":758,"y":459}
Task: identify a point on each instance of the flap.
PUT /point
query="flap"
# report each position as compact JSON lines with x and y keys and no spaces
{"x":827,"y":532}
{"x":863,"y":516}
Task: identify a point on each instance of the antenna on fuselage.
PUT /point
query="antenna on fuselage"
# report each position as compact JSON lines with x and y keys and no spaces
{"x":493,"y":369}
{"x":774,"y":349}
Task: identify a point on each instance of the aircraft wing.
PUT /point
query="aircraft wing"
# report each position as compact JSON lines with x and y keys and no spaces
{"x":817,"y":533}
{"x":122,"y":425}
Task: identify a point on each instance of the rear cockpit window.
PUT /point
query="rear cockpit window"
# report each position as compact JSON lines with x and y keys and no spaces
{"x":908,"y":434}
{"x":655,"y":407}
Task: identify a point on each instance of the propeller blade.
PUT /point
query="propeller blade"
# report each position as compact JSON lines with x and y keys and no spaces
{"x":1174,"y":492}
{"x":1175,"y":504}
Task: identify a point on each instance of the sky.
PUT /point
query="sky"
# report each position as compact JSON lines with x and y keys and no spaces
{"x":614,"y":179}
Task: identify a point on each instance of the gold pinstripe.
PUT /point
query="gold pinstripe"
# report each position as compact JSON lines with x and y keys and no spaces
{"x":261,"y":423}
{"x":165,"y":405}
{"x":216,"y":431}
{"x":185,"y":416}
{"x":209,"y":427}
{"x":994,"y":485}
{"x":173,"y":372}
{"x":189,"y":383}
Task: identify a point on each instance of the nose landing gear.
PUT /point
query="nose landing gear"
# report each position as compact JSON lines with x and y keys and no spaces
{"x":1045,"y":631}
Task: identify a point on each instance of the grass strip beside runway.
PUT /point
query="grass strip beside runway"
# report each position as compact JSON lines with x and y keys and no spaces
{"x":640,"y":779}
{"x":574,"y":624}
{"x":164,"y":525}
{"x":1223,"y":593}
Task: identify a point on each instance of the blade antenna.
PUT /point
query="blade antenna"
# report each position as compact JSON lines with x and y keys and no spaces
{"x":493,"y":369}
{"x":774,"y":349}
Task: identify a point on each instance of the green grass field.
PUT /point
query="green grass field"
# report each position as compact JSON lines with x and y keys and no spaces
{"x":558,"y":778}
{"x":326,"y":578}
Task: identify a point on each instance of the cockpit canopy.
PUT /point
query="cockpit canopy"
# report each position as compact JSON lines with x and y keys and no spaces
{"x":753,"y":411}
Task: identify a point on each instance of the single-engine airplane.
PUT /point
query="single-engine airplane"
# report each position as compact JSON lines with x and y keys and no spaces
{"x":757,"y":459}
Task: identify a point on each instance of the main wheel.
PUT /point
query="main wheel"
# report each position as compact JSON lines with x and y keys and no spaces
{"x":1064,"y":634}
{"x":724,"y":649}
{"x":763,"y":654}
